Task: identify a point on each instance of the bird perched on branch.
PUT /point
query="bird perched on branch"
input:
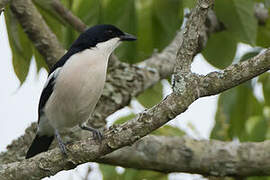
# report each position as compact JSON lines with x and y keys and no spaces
{"x":74,"y":86}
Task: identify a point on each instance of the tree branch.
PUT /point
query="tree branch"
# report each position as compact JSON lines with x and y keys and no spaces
{"x":217,"y":82}
{"x":192,"y":34}
{"x":3,"y":4}
{"x":209,"y":158}
{"x":164,"y":62}
{"x":37,"y":30}
{"x":74,"y":21}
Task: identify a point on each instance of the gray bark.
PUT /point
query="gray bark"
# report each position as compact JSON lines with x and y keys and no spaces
{"x":37,"y":30}
{"x":209,"y":158}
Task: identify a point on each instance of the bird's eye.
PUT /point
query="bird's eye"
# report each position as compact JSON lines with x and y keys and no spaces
{"x":110,"y":32}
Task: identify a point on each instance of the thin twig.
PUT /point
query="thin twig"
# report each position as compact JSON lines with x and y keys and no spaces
{"x":74,"y":21}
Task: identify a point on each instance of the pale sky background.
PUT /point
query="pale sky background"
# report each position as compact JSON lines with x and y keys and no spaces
{"x":18,"y":106}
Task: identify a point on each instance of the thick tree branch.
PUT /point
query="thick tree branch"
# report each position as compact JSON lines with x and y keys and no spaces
{"x":191,"y":37}
{"x":174,"y":154}
{"x":37,"y":30}
{"x":192,"y":34}
{"x":3,"y":3}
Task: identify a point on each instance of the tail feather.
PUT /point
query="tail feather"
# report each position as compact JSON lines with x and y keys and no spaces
{"x":39,"y":145}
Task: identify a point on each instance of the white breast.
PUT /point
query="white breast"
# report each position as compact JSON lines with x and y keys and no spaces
{"x":77,"y":90}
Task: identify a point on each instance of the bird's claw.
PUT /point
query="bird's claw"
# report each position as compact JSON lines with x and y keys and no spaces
{"x":63,"y":149}
{"x":97,"y":135}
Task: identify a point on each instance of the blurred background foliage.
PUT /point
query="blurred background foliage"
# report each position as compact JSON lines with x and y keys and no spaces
{"x":241,"y":114}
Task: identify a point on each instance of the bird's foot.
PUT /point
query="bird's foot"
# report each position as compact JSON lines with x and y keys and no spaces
{"x":97,"y":135}
{"x":63,"y":148}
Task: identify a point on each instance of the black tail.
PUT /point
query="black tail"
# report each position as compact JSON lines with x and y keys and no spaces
{"x":40,"y":144}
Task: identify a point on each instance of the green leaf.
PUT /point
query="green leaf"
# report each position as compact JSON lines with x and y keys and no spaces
{"x":220,"y":49}
{"x":122,"y":13}
{"x":267,"y":5}
{"x":256,"y":127}
{"x":151,"y":96}
{"x":266,"y":113}
{"x":48,"y":9}
{"x":167,"y":19}
{"x":51,"y":20}
{"x":21,"y":47}
{"x":238,"y":18}
{"x":246,"y":105}
{"x":69,"y":36}
{"x":123,"y":119}
{"x":265,"y":80}
{"x":168,"y":130}
{"x":144,"y":10}
{"x":250,"y":54}
{"x":189,"y":3}
{"x":114,"y":10}
{"x":263,"y":35}
{"x":235,"y":107}
{"x":133,"y":174}
{"x":67,"y":3}
{"x":40,"y":61}
{"x":89,"y":11}
{"x":259,"y":178}
{"x":109,"y":172}
{"x":226,"y":102}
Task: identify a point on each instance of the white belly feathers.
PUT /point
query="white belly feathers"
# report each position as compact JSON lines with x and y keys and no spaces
{"x":77,"y":89}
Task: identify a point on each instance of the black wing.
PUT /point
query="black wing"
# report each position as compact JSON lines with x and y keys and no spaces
{"x":46,"y":93}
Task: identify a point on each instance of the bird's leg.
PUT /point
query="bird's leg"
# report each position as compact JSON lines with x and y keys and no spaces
{"x":96,"y":133}
{"x":60,"y":143}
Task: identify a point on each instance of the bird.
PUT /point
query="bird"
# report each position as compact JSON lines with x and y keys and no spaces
{"x":74,"y":86}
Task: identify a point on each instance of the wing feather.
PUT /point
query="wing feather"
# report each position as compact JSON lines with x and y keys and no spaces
{"x":47,"y":90}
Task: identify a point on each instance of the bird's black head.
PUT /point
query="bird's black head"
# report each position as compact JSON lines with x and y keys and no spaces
{"x":103,"y":39}
{"x":100,"y":34}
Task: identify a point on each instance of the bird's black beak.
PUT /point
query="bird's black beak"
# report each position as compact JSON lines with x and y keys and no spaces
{"x":127,"y":37}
